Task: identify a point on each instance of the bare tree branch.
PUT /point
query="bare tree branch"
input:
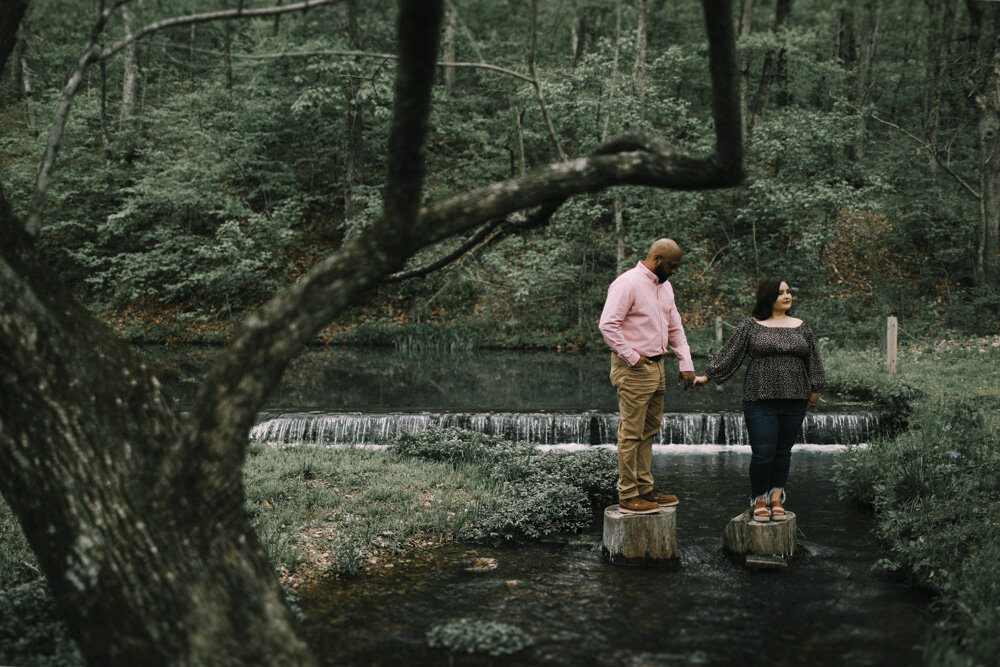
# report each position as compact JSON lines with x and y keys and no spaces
{"x":352,"y":54}
{"x":90,"y":55}
{"x":935,"y":153}
{"x":34,"y":220}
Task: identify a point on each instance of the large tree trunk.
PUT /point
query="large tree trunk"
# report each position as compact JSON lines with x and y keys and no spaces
{"x":584,"y":34}
{"x":353,"y":120}
{"x":130,"y":64}
{"x":935,"y":84}
{"x":988,"y":246}
{"x":135,"y":511}
{"x":862,"y":83}
{"x":449,"y":49}
{"x":743,"y":31}
{"x":19,"y":69}
{"x":986,"y":98}
{"x":149,"y":553}
{"x":639,"y":68}
{"x":772,"y":64}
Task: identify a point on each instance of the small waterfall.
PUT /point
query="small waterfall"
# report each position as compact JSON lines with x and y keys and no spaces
{"x":588,"y":428}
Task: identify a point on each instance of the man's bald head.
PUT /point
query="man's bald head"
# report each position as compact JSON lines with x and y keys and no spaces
{"x":664,"y":248}
{"x":663,"y":258}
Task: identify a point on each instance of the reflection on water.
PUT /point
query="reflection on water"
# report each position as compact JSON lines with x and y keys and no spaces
{"x":381,"y":380}
{"x":828,"y":608}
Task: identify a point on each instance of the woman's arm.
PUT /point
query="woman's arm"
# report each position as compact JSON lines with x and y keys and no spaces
{"x":730,"y":357}
{"x":814,"y":368}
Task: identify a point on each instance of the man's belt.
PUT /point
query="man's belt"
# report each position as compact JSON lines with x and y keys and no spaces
{"x":655,"y":357}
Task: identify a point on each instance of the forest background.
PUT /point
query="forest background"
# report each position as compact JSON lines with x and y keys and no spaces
{"x":208,"y":166}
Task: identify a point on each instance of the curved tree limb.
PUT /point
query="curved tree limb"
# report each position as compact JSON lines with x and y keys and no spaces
{"x":352,"y":54}
{"x":234,"y":388}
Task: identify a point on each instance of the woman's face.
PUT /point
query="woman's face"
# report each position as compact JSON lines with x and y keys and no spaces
{"x":784,"y":301}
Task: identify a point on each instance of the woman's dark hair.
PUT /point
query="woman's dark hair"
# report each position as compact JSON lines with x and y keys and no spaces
{"x":767,"y":294}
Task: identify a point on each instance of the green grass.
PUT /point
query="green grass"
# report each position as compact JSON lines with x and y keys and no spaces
{"x":350,"y":503}
{"x":18,"y":564}
{"x":935,"y":488}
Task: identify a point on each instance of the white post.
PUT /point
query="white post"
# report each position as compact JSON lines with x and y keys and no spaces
{"x":891,"y":335}
{"x":718,"y":329}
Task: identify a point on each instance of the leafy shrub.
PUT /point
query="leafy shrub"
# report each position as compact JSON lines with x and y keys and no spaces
{"x":971,"y":614}
{"x":31,"y":631}
{"x":539,"y":492}
{"x":936,"y":493}
{"x":471,"y":636}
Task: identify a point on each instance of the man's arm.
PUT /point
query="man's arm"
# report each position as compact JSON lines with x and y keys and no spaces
{"x":678,"y":341}
{"x":616,"y":307}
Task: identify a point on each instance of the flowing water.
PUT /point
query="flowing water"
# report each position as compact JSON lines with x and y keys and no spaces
{"x":827,"y":608}
{"x":589,"y":428}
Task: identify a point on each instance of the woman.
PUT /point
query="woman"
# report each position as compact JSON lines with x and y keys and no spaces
{"x":783,"y":380}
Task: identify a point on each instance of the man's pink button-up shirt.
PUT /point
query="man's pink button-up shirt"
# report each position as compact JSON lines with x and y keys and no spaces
{"x":641,"y":319}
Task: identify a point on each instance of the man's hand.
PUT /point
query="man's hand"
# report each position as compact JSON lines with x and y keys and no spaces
{"x":686,"y":379}
{"x":643,"y":361}
{"x":813,"y":400}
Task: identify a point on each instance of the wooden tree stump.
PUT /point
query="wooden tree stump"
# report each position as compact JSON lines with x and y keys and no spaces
{"x":640,"y":539}
{"x":743,"y":535}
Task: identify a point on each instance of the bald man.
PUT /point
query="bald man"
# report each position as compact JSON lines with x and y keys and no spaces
{"x":640,"y":322}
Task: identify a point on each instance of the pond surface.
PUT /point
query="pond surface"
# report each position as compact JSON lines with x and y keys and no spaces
{"x":827,"y":608}
{"x":381,"y":379}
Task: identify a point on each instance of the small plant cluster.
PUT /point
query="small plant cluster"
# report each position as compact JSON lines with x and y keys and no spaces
{"x":539,"y":492}
{"x":936,"y":492}
{"x":31,"y":630}
{"x":470,"y":636}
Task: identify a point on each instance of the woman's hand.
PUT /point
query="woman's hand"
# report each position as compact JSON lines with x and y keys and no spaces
{"x":701,"y":379}
{"x":813,"y":400}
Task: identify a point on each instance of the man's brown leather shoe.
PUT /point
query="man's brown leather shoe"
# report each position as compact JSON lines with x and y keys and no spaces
{"x":661,"y":499}
{"x":637,"y":505}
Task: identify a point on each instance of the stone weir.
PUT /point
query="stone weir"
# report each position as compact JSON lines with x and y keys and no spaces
{"x":589,"y":428}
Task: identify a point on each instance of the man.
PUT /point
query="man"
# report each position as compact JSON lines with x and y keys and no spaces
{"x":639,"y":322}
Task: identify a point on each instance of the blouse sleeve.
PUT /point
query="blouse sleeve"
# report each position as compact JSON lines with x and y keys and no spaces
{"x":814,"y":365}
{"x":730,"y":357}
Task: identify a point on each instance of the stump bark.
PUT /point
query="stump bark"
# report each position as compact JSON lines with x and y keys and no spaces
{"x":743,"y":535}
{"x":640,"y":539}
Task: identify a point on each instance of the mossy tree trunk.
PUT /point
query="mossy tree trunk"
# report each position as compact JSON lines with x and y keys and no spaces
{"x":136,"y":511}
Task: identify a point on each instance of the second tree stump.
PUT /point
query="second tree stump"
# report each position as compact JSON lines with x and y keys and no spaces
{"x":774,"y":538}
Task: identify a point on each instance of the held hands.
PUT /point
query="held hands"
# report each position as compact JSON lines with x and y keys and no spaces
{"x":686,"y":379}
{"x":700,"y":380}
{"x":813,"y":400}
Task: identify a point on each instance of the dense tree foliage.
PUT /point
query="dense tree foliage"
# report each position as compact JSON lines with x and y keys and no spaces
{"x":217,"y":162}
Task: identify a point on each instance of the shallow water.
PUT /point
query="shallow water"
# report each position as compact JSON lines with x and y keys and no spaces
{"x":827,"y":608}
{"x":381,"y":379}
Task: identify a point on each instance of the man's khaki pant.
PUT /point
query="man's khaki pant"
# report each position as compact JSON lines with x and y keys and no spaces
{"x":640,"y":402}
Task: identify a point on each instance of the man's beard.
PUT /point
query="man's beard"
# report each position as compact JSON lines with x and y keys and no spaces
{"x":661,"y":275}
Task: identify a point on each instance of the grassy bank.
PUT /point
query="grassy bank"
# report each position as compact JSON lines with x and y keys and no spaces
{"x":324,"y":513}
{"x":935,"y":488}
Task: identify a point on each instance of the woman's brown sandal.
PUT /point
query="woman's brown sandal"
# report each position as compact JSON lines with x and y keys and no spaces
{"x":760,"y":511}
{"x":777,"y":511}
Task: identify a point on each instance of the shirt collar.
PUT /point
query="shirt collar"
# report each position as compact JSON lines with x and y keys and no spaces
{"x":644,"y":270}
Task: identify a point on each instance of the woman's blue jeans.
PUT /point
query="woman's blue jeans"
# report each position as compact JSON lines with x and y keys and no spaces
{"x":773,"y":424}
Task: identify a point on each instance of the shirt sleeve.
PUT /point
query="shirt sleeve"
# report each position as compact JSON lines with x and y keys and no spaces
{"x":814,"y":365}
{"x":730,"y":357}
{"x":678,"y":340}
{"x":616,"y":307}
